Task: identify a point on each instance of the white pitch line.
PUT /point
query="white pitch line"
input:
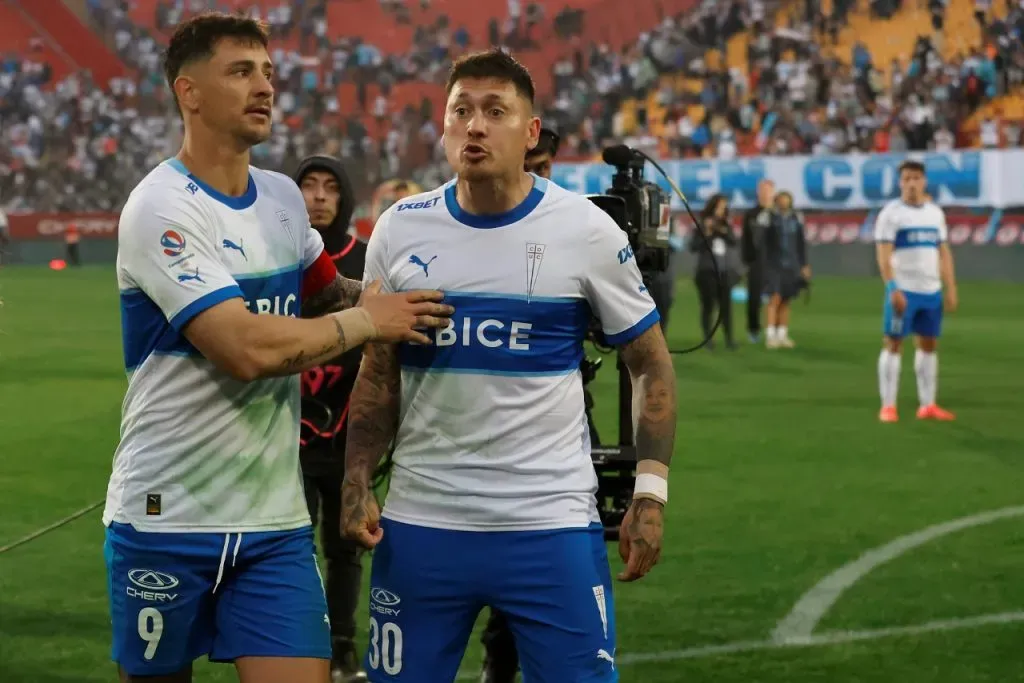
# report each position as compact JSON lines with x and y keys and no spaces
{"x":801,"y":621}
{"x":822,"y":639}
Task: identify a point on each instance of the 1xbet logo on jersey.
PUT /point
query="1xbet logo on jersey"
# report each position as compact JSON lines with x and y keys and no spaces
{"x":173,"y":243}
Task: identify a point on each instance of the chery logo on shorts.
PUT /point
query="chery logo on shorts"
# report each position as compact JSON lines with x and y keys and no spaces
{"x":152,"y":580}
{"x":384,"y":598}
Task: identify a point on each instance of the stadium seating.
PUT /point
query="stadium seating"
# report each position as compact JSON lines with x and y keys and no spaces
{"x":81,"y":46}
{"x":17,"y":33}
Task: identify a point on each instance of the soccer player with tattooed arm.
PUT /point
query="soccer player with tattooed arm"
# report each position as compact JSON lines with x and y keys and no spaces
{"x":492,"y":501}
{"x":227,"y":294}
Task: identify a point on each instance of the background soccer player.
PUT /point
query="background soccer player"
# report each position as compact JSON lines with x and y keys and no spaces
{"x":915,"y":262}
{"x":209,"y":547}
{"x":491,"y":500}
{"x":326,"y":390}
{"x":786,"y":267}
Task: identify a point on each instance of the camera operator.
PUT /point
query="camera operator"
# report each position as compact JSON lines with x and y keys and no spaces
{"x":756,"y":223}
{"x":325,"y":396}
{"x":714,"y":286}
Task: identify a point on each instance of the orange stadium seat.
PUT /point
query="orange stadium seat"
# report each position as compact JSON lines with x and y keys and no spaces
{"x":17,"y":34}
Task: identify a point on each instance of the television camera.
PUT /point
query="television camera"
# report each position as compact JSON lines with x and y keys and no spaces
{"x":641,"y":209}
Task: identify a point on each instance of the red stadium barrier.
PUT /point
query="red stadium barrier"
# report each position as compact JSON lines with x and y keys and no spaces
{"x":51,"y":226}
{"x":822,"y":228}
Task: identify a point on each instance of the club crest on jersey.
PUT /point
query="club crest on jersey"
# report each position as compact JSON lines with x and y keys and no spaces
{"x":173,"y":243}
{"x":534,"y":257}
{"x":286,"y":221}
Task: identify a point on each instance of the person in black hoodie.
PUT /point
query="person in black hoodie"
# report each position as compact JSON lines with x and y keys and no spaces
{"x":717,"y":270}
{"x":325,"y":397}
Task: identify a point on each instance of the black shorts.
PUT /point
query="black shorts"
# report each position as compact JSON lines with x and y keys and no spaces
{"x":782,"y":281}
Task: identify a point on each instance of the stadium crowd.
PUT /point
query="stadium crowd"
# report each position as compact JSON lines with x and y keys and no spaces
{"x":80,"y":145}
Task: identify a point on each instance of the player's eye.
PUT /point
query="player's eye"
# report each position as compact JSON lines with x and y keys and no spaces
{"x":497,"y":113}
{"x":460,"y":111}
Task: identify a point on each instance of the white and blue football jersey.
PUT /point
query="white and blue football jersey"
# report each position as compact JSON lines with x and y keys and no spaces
{"x":492,"y":433}
{"x":199,"y":450}
{"x":915,"y":233}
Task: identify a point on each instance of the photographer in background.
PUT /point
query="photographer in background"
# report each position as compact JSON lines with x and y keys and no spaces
{"x":755,"y":223}
{"x":325,"y":397}
{"x":714,"y":287}
{"x":540,"y":158}
{"x":786,"y":268}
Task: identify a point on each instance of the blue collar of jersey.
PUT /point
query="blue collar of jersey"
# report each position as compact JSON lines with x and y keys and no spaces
{"x":238,"y":203}
{"x":495,"y":220}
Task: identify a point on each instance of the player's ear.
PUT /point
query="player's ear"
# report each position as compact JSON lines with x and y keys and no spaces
{"x":533,"y":133}
{"x":186,"y":92}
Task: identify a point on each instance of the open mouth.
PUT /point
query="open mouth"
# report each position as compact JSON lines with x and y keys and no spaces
{"x":474,"y":152}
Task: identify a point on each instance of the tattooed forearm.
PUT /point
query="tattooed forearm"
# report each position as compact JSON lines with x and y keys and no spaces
{"x":373,"y":412}
{"x":341,"y":294}
{"x":654,"y":395}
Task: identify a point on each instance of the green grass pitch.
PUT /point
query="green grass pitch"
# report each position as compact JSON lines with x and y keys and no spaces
{"x":782,"y":474}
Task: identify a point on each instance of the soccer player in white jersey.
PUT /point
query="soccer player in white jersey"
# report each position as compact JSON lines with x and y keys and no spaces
{"x":492,"y":495}
{"x":915,"y":262}
{"x":209,"y":546}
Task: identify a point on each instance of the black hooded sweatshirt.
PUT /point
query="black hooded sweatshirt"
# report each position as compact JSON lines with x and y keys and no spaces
{"x":326,"y":389}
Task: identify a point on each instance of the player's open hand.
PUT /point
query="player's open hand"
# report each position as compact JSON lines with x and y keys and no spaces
{"x":952,"y":300}
{"x":360,"y":514}
{"x":899,"y":301}
{"x":399,"y":317}
{"x":640,"y":538}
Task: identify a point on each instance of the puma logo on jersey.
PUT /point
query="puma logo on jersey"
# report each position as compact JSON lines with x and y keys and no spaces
{"x":228,"y":244}
{"x":417,"y":261}
{"x":603,"y":654}
{"x":185,"y":277}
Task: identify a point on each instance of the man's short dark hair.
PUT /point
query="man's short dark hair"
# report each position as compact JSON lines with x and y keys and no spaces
{"x":912,"y":165}
{"x":494,"y":63}
{"x":196,"y":39}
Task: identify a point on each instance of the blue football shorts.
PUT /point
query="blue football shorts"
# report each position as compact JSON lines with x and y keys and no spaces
{"x":428,"y":586}
{"x":922,"y":317}
{"x":175,"y":597}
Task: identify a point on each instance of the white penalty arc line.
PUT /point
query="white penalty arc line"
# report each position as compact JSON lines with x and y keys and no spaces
{"x":801,"y":621}
{"x":832,"y":638}
{"x":820,"y":640}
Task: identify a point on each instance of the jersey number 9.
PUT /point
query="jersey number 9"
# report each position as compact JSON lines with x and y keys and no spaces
{"x":151,"y":628}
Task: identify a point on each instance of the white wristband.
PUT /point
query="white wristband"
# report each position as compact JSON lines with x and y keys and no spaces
{"x":651,"y":485}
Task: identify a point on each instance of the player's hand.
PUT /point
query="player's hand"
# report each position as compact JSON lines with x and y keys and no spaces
{"x":805,"y":272}
{"x":360,"y":514}
{"x":952,"y":300}
{"x":640,"y":538}
{"x":397,"y":317}
{"x":899,"y":301}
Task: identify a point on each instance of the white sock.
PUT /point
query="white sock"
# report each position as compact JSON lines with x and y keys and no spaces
{"x":926,"y":366}
{"x":888,"y":377}
{"x":773,"y":333}
{"x":783,"y":332}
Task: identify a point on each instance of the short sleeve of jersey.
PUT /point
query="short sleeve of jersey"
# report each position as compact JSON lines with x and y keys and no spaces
{"x":613,"y":284}
{"x":885,"y":224}
{"x":312,"y":246}
{"x":377,"y":266}
{"x":164,"y":250}
{"x":941,"y":222}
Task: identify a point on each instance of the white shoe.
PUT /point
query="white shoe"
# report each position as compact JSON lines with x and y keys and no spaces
{"x":771,"y":344}
{"x":786,"y":343}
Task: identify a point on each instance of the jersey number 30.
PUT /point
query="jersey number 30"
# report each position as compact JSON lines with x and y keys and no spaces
{"x":385,"y":647}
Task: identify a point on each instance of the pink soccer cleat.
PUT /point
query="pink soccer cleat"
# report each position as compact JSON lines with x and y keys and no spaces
{"x":888,"y":414}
